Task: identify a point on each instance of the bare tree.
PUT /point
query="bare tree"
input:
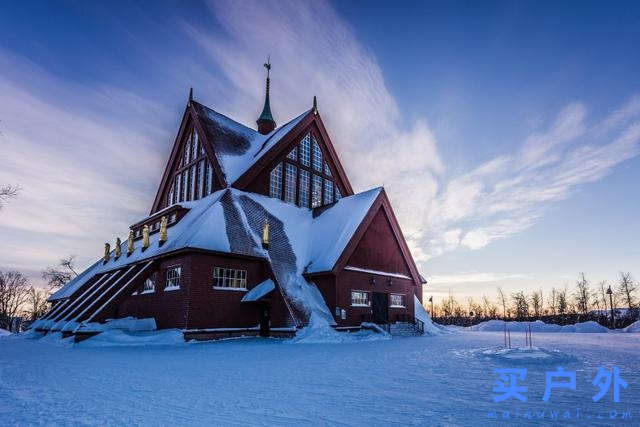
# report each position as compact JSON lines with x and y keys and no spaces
{"x":563,"y":304}
{"x":553,"y":300}
{"x":14,"y":288}
{"x":503,"y":300}
{"x":626,"y":289}
{"x":60,"y":274}
{"x":536,"y":303}
{"x":520,"y":305}
{"x":8,"y":192}
{"x":37,"y":302}
{"x":581,"y":295}
{"x":490,"y":309}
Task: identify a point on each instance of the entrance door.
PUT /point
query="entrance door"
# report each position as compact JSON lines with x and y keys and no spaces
{"x":380,"y":307}
{"x":265,"y":320}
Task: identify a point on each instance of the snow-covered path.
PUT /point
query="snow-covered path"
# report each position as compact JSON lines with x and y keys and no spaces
{"x":440,"y":380}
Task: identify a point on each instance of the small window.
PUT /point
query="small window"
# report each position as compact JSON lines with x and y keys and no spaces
{"x":317,"y":156}
{"x":328,"y":191}
{"x":149,"y":285}
{"x":316,"y":192}
{"x":173,"y":218}
{"x":397,"y":300}
{"x":229,"y":278}
{"x":290,"y":179}
{"x":337,"y":194}
{"x":303,"y":197}
{"x":293,"y":154}
{"x":173,"y":278}
{"x":275,"y":184}
{"x":305,"y":150}
{"x":327,"y":170}
{"x":360,"y":299}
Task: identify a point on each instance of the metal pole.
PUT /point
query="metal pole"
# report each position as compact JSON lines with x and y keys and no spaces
{"x":613,"y":317}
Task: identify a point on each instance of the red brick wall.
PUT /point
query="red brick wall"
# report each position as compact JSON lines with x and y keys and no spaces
{"x":197,"y":305}
{"x":347,"y":281}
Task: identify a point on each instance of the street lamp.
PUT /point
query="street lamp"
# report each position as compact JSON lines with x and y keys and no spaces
{"x":613,"y":318}
{"x":431,"y":301}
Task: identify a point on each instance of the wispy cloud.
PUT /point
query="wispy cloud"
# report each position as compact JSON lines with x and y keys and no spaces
{"x":315,"y":52}
{"x":83,"y":177}
{"x":77,"y":150}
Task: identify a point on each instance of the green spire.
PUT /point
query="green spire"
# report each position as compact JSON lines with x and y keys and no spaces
{"x":265,"y":122}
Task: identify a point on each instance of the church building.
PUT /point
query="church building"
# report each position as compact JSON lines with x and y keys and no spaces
{"x":251,"y":232}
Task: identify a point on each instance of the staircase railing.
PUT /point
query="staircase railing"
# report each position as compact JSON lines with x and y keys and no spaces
{"x":417,"y":324}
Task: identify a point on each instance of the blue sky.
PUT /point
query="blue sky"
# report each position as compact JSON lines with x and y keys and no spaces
{"x":506,"y":133}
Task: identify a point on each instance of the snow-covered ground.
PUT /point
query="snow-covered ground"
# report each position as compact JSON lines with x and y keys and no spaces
{"x":445,"y":379}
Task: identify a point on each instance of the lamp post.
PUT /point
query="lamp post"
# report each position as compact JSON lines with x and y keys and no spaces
{"x":431,"y":301}
{"x":613,"y":318}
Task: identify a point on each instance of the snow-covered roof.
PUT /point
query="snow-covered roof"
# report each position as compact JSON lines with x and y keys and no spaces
{"x":259,"y":291}
{"x":238,"y":147}
{"x":231,"y":221}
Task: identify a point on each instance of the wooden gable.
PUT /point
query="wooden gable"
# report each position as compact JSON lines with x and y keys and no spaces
{"x":192,"y":171}
{"x":289,"y":151}
{"x":378,"y":244}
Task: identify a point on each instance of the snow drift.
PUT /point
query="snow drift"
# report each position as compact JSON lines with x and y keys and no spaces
{"x":539,"y":326}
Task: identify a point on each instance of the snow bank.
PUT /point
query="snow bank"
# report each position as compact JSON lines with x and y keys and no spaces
{"x":634,"y":327}
{"x":585,"y":327}
{"x":4,"y":332}
{"x":539,"y":326}
{"x":420,"y":313}
{"x":318,"y":331}
{"x":119,"y":338}
{"x":130,"y":324}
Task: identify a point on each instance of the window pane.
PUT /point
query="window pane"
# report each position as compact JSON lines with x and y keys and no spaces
{"x":187,"y":151}
{"x":327,"y":170}
{"x":305,"y":150}
{"x":194,"y":146}
{"x":338,"y":194}
{"x":316,"y":192}
{"x":275,"y":185}
{"x":328,"y":191}
{"x":209,"y":178}
{"x":192,"y":183}
{"x":317,"y":156}
{"x":185,"y":186}
{"x":290,"y":179}
{"x":179,"y":187}
{"x":293,"y":154}
{"x":201,"y":192}
{"x":170,"y":198}
{"x":304,"y":189}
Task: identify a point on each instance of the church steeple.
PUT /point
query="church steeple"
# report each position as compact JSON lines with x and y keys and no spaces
{"x":265,"y":122}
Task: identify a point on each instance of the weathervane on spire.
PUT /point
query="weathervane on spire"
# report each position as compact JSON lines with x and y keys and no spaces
{"x":267,"y":65}
{"x":265,"y":122}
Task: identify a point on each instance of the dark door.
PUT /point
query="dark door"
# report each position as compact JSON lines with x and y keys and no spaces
{"x":265,"y":320}
{"x":380,"y":307}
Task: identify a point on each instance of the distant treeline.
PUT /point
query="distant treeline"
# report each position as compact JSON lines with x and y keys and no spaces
{"x":562,"y":306}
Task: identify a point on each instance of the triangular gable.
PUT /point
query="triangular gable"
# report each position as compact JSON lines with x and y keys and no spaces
{"x":277,"y":148}
{"x":382,"y":202}
{"x":189,"y":122}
